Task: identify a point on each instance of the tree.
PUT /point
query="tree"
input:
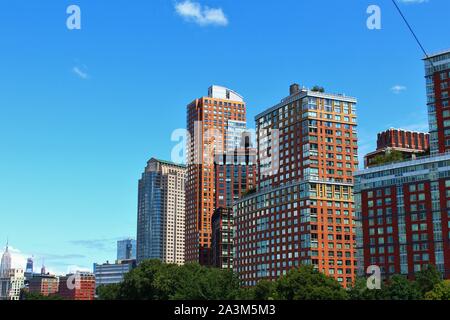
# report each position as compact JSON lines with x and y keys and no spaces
{"x":359,"y":291}
{"x":441,"y":291}
{"x":388,"y":157}
{"x":264,"y":290}
{"x":428,"y":278}
{"x":400,"y":288}
{"x":148,"y":282}
{"x":318,"y":89}
{"x":108,"y":292}
{"x":305,"y":283}
{"x":37,"y":296}
{"x":202,"y":283}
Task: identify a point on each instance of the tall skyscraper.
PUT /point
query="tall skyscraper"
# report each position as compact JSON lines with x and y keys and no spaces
{"x":126,"y":249}
{"x":161,"y":212}
{"x":5,"y":265}
{"x":437,"y":74}
{"x":208,"y":121}
{"x":302,"y":211}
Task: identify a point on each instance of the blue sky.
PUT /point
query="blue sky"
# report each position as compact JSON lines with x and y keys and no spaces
{"x":81,"y":111}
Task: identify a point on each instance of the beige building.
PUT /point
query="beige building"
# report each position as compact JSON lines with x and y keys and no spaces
{"x":161,"y":212}
{"x":11,"y":285}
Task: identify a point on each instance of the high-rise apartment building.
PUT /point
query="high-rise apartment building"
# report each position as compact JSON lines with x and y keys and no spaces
{"x":437,"y":74}
{"x":126,"y":249}
{"x":161,"y":212}
{"x":409,"y":143}
{"x":302,"y":211}
{"x":403,"y":216}
{"x":215,"y":124}
{"x":402,"y":208}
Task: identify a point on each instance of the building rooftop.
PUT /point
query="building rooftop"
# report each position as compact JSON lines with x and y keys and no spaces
{"x":430,"y":56}
{"x":220,"y":92}
{"x":305,"y":92}
{"x":170,"y":163}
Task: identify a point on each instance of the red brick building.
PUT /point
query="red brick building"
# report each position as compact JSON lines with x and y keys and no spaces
{"x":410,"y":144}
{"x":79,"y":286}
{"x":302,"y":211}
{"x":403,"y":212}
{"x":403,"y":216}
{"x":44,"y":284}
{"x":437,"y":74}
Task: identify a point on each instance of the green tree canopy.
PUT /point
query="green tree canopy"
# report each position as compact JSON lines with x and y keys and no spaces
{"x":441,"y":291}
{"x":427,"y":279}
{"x":305,"y":283}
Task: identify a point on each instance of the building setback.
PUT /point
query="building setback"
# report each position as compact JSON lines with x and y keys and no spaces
{"x":403,"y":216}
{"x":410,"y":144}
{"x":437,"y":74}
{"x":214,"y":123}
{"x":303,"y":210}
{"x":161,"y":212}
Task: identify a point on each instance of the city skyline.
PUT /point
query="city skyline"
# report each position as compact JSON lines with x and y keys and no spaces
{"x":79,"y":174}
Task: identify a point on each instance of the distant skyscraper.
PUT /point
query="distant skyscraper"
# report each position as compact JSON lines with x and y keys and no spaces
{"x":6,"y":263}
{"x":437,"y":74}
{"x":161,"y":208}
{"x":126,"y":249}
{"x":215,"y":123}
{"x":29,"y":268}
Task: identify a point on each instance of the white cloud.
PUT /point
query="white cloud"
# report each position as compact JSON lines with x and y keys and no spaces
{"x":80,"y":72}
{"x":397,"y":89}
{"x":19,"y":261}
{"x":202,"y":15}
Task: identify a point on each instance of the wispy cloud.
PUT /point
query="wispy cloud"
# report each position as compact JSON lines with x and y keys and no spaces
{"x":202,"y":15}
{"x":397,"y":89}
{"x":97,"y":244}
{"x":80,"y":72}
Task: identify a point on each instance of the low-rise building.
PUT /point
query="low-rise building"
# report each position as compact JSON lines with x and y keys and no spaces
{"x":112,"y":273}
{"x":77,"y":286}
